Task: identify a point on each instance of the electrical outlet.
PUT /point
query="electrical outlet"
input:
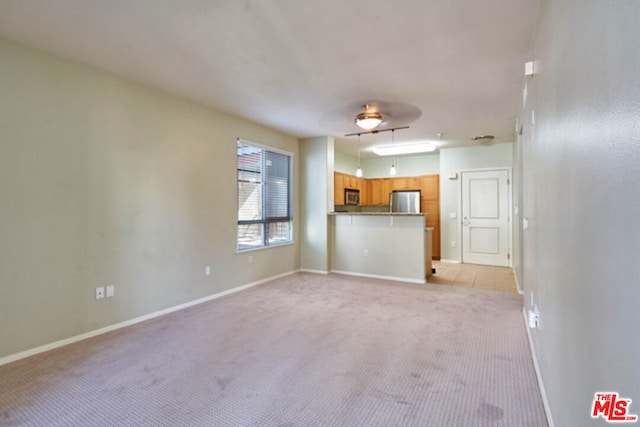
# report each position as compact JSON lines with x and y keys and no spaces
{"x":453,"y":243}
{"x":250,"y":259}
{"x":111,"y":291}
{"x":365,"y":252}
{"x":534,"y":319}
{"x":207,"y":270}
{"x":100,"y":292}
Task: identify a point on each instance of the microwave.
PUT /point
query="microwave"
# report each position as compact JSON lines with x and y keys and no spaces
{"x":351,"y":196}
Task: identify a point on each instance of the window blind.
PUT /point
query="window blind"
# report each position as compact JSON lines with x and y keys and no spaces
{"x":264,"y":197}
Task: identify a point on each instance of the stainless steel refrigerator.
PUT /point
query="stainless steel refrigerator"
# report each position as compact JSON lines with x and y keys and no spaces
{"x":405,"y":201}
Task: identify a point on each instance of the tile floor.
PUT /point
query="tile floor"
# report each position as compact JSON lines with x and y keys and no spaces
{"x":474,"y":276}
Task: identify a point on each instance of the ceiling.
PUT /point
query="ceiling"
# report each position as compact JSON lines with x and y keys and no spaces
{"x":300,"y":65}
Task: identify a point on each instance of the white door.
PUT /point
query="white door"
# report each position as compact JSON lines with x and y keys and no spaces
{"x":485,"y":217}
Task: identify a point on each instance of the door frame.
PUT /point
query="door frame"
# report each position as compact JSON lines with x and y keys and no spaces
{"x":509,"y":206}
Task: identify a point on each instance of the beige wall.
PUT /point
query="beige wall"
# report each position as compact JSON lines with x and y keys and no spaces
{"x":378,"y":167}
{"x":411,"y":165}
{"x":394,"y":246}
{"x":317,"y":159}
{"x":345,"y":163}
{"x":104,"y":181}
{"x":454,"y":160}
{"x":581,"y":169}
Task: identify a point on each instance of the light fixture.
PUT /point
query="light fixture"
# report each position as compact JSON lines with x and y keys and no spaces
{"x":396,"y":150}
{"x":483,"y":138}
{"x":359,"y":170}
{"x":392,"y":171}
{"x":369,"y":118}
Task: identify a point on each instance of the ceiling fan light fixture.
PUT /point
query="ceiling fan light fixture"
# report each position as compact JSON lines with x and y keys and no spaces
{"x":368,"y":120}
{"x":483,"y":138}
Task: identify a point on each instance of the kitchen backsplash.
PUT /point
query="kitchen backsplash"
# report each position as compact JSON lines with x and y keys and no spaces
{"x":354,"y":208}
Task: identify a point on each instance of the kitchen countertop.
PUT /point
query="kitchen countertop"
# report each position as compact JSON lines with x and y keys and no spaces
{"x":379,"y":213}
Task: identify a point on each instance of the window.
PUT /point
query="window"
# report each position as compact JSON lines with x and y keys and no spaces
{"x":264,"y":197}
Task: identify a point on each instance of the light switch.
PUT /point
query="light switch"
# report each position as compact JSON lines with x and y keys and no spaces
{"x":453,"y":215}
{"x":528,"y":69}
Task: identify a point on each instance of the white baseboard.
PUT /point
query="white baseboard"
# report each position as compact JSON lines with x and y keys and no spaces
{"x":307,"y":270}
{"x":375,"y":276}
{"x":543,"y":393}
{"x":71,"y":340}
{"x":518,"y":288}
{"x":450,"y":261}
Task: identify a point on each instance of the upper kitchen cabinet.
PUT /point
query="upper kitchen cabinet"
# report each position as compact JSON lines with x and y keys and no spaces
{"x":341,"y":181}
{"x":430,"y":187}
{"x":406,"y":183}
{"x":338,"y":188}
{"x":350,"y":181}
{"x":375,"y":191}
{"x":380,"y":189}
{"x":364,"y":187}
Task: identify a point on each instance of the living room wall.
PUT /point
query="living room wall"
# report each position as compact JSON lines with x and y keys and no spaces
{"x":580,"y":166}
{"x":104,"y":181}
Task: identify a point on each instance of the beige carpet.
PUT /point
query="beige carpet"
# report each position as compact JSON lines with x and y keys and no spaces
{"x":306,"y":350}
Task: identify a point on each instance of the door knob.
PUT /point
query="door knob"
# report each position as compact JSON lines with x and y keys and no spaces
{"x":465,"y":221}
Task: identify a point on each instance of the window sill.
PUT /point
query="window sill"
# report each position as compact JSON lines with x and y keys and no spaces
{"x":242,"y":251}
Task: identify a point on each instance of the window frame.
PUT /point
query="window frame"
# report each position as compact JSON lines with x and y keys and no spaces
{"x":264,"y":221}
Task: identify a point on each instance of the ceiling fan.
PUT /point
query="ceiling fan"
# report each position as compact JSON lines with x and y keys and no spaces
{"x":369,"y":118}
{"x":391,"y":114}
{"x":365,"y":116}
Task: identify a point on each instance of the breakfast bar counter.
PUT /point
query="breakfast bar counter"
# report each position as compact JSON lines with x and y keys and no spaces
{"x":380,"y":244}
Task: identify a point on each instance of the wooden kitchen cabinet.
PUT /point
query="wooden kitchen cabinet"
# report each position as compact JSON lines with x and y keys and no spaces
{"x":375,"y":192}
{"x":432,"y":209}
{"x":380,"y":189}
{"x":364,"y":191}
{"x":397,"y":183}
{"x":406,"y":183}
{"x":350,"y":181}
{"x":338,"y":188}
{"x":430,"y":204}
{"x":344,"y":180}
{"x":430,"y":187}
